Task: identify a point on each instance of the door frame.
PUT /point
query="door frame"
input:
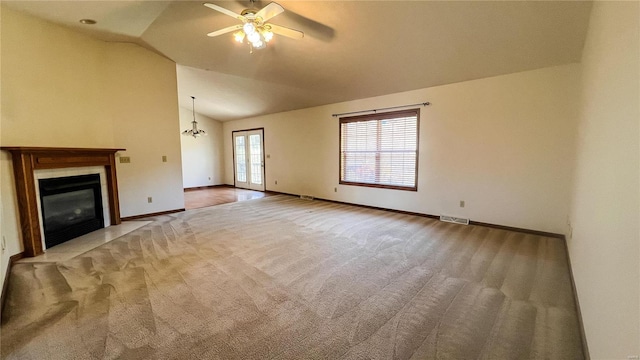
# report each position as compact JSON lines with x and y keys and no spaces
{"x":233,"y":158}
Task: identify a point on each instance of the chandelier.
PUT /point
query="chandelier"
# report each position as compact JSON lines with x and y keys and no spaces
{"x":194,"y":130}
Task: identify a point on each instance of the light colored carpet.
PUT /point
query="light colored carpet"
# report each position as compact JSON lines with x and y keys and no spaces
{"x":284,"y":278}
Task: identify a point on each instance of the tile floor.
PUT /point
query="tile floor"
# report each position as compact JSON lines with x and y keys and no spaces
{"x":84,"y":243}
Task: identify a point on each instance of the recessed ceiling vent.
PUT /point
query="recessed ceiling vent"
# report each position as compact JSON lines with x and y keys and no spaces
{"x":453,"y":219}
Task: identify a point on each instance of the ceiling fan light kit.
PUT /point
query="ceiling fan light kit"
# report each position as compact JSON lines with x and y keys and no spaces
{"x":254,"y":28}
{"x":257,"y":36}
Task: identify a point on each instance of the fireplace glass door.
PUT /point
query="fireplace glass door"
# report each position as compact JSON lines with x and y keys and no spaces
{"x":71,"y":207}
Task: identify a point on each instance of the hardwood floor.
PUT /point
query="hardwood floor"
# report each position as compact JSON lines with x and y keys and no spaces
{"x":199,"y":198}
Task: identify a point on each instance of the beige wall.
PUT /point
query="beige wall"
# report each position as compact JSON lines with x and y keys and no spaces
{"x":53,"y":86}
{"x":201,"y":157}
{"x":10,"y":242}
{"x":605,"y":247}
{"x":62,"y":89}
{"x":504,"y":145}
{"x":143,"y":89}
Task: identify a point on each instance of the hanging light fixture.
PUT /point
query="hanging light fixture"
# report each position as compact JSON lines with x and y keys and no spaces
{"x":194,"y":130}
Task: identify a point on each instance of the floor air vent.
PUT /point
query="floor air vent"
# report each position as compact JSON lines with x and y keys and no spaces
{"x":306,"y":197}
{"x":453,"y":219}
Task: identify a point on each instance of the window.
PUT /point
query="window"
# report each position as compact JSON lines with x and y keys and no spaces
{"x":380,"y":150}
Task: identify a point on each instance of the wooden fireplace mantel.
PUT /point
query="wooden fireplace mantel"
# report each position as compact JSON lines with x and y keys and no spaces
{"x":28,"y":159}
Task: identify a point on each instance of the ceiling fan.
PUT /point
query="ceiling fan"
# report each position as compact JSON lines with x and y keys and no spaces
{"x":254,"y":27}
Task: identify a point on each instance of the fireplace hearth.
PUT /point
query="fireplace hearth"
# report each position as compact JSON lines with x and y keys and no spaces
{"x":71,"y":206}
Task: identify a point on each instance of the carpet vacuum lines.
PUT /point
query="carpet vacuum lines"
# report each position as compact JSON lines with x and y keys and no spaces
{"x":285,"y":278}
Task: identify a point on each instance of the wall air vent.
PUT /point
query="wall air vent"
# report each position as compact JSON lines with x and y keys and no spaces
{"x":453,"y":219}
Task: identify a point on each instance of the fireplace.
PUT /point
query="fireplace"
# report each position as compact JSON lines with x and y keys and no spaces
{"x":27,"y":160}
{"x":71,"y":206}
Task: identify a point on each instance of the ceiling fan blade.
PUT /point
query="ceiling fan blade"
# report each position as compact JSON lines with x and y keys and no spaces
{"x":225,"y":11}
{"x":225,"y":30}
{"x":311,"y":27}
{"x":285,"y":31}
{"x":270,"y":11}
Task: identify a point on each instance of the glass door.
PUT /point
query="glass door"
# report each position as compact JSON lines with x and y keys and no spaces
{"x":249,"y":159}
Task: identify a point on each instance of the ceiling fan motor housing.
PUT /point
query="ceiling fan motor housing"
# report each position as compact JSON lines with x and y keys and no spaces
{"x":248,"y":13}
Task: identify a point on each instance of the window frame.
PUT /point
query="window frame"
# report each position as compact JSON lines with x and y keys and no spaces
{"x":379,"y":117}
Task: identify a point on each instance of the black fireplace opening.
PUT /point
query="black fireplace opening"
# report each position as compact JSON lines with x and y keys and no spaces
{"x":71,"y":207}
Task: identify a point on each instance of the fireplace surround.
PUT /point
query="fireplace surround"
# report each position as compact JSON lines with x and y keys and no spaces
{"x":26,"y":160}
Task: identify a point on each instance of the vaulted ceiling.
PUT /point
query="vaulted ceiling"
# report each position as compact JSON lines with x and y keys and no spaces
{"x":351,"y":49}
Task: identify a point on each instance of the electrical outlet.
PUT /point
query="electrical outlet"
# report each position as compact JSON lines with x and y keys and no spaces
{"x":461,"y":203}
{"x":335,"y":189}
{"x":149,"y":199}
{"x":164,"y":158}
{"x":125,"y":159}
{"x":276,"y":182}
{"x":209,"y":178}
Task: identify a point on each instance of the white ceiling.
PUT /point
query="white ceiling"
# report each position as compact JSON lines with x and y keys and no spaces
{"x":351,"y":49}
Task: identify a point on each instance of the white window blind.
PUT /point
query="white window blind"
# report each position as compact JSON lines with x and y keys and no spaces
{"x":380,"y":150}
